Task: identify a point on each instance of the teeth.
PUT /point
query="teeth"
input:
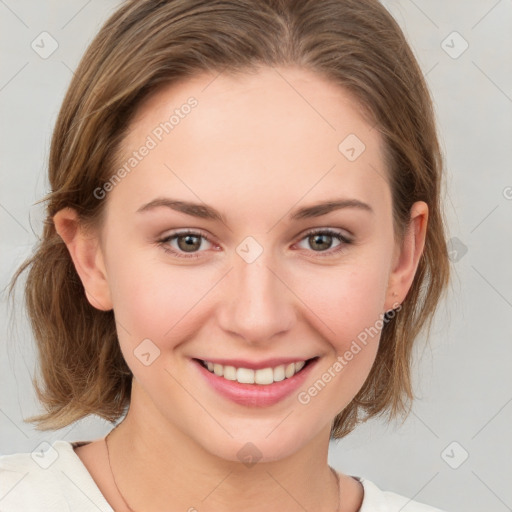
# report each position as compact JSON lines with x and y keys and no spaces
{"x":229,"y":372}
{"x":245,"y":376}
{"x":263,"y":376}
{"x":279,"y":373}
{"x":289,"y":370}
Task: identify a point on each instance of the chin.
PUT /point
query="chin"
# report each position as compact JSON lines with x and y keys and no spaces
{"x":259,"y":443}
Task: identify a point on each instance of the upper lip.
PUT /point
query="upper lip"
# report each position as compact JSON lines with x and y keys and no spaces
{"x":252,"y":365}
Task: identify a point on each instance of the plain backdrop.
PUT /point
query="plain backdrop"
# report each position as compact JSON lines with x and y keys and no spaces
{"x":454,"y":450}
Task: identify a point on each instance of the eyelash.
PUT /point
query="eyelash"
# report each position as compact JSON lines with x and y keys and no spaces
{"x":326,"y":231}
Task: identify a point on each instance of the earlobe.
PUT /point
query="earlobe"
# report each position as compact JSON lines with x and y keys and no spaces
{"x":408,"y":255}
{"x":85,"y":251}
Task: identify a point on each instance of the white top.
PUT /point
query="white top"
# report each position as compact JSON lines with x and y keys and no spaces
{"x":53,"y":479}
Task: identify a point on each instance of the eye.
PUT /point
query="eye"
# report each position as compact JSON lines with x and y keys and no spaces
{"x":321,"y":239}
{"x":188,"y":243}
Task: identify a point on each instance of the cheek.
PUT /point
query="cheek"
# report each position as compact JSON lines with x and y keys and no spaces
{"x":157,"y":301}
{"x":346,"y":299}
{"x":348,"y":311}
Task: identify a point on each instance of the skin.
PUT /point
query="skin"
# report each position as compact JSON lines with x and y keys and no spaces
{"x":256,"y":147}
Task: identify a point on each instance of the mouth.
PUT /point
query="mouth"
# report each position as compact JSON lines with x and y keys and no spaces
{"x":262,"y":376}
{"x":250,"y":387}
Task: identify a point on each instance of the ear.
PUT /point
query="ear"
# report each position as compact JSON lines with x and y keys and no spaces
{"x":85,"y":251}
{"x":407,"y":257}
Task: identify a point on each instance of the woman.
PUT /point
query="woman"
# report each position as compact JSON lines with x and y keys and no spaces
{"x":204,"y":153}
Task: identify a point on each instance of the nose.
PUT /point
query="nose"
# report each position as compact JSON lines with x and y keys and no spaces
{"x":259,"y":305}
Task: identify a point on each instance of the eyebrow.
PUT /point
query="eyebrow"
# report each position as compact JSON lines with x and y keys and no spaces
{"x":204,"y":211}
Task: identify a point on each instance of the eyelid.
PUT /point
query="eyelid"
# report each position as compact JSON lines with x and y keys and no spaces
{"x":333,"y":231}
{"x":337,"y":234}
{"x":163,"y":241}
{"x":332,"y":252}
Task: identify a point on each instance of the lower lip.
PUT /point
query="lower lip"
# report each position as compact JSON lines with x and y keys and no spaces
{"x":255,"y":395}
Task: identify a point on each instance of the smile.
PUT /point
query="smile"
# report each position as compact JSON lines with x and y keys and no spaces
{"x":263,"y":376}
{"x":264,"y":386}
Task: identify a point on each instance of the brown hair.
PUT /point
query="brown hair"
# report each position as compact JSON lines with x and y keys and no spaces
{"x":147,"y":44}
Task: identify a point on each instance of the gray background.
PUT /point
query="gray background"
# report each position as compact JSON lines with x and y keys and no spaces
{"x":462,"y":372}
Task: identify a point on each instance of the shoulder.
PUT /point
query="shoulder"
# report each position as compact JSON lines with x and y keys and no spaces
{"x":50,"y":478}
{"x":377,"y":500}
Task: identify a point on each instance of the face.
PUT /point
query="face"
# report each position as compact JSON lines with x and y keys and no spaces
{"x":257,"y":275}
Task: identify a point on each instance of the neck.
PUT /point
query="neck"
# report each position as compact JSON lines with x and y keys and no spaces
{"x":156,"y":465}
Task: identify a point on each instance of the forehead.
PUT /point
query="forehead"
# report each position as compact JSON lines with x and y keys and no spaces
{"x":276,"y":135}
{"x":286,"y":102}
